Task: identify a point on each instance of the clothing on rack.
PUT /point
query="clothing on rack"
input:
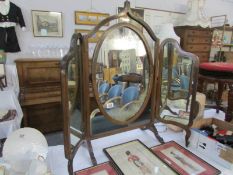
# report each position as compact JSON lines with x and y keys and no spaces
{"x":10,"y":15}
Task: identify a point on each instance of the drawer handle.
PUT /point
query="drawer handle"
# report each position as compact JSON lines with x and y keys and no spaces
{"x":191,"y":47}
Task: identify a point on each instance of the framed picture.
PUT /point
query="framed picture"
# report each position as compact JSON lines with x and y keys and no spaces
{"x":182,"y":160}
{"x":47,"y":24}
{"x":95,"y":38}
{"x":137,"y":12}
{"x":134,"y":158}
{"x":89,"y":18}
{"x":101,"y":169}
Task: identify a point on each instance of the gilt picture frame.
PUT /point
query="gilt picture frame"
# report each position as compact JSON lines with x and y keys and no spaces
{"x":47,"y":23}
{"x":134,"y":158}
{"x":89,"y":18}
{"x":93,"y":39}
{"x":101,"y":169}
{"x":182,"y":160}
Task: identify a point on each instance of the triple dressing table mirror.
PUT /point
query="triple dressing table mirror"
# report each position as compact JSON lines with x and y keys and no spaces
{"x":177,"y":86}
{"x":115,"y":88}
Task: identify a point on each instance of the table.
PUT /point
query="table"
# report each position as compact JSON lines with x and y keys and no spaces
{"x":58,"y":164}
{"x":221,"y":73}
{"x":8,"y":100}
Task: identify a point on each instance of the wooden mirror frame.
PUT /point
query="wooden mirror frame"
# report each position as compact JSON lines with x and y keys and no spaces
{"x":151,"y":72}
{"x":79,"y":50}
{"x":74,"y":52}
{"x":194,"y":107}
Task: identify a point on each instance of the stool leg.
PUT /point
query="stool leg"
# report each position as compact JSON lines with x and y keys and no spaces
{"x":201,"y":85}
{"x":219,"y":97}
{"x":229,"y":113}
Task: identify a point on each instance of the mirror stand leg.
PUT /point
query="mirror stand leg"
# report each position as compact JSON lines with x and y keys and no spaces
{"x":70,"y":167}
{"x":154,"y":130}
{"x":90,"y":150}
{"x":188,"y":134}
{"x":70,"y":160}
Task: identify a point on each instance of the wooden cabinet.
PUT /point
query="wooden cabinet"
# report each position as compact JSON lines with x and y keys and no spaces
{"x":40,"y":93}
{"x":196,"y":40}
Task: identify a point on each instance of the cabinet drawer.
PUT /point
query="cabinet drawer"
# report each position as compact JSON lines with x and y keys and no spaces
{"x":202,"y":33}
{"x":199,"y":40}
{"x":197,"y":48}
{"x":40,"y":98}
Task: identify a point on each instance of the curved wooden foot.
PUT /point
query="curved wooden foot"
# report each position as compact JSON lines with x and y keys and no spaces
{"x":90,"y":150}
{"x":187,"y":136}
{"x":70,"y":161}
{"x":154,"y":130}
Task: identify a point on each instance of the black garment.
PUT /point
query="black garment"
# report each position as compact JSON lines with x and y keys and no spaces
{"x":8,"y":38}
{"x":14,"y":15}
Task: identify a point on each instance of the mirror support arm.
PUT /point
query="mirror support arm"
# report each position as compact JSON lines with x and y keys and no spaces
{"x":154,"y":130}
{"x":90,"y":150}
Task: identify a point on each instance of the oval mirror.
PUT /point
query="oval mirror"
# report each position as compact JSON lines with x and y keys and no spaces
{"x":176,"y":84}
{"x":121,"y":72}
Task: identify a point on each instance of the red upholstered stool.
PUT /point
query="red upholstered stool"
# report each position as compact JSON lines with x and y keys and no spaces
{"x":221,"y":73}
{"x":217,"y":69}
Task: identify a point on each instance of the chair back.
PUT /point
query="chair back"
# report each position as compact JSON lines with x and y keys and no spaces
{"x":184,"y":82}
{"x":103,"y":88}
{"x":130,"y":94}
{"x":114,"y":91}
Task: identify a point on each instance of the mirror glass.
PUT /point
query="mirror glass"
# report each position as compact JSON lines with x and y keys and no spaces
{"x":122,"y":74}
{"x":176,"y":82}
{"x":74,"y":101}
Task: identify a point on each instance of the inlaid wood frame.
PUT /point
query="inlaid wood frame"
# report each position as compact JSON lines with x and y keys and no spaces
{"x":88,"y":89}
{"x":194,"y":106}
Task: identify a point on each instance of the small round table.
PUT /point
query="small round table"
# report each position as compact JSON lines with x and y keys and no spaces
{"x":221,"y":73}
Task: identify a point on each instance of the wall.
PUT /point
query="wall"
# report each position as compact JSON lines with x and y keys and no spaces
{"x":67,"y":7}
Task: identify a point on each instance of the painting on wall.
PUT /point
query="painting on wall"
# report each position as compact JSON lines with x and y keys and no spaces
{"x":47,"y":24}
{"x":89,"y":18}
{"x":156,"y":17}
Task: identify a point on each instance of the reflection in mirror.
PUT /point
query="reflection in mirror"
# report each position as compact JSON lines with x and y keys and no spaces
{"x":74,"y":102}
{"x":176,"y":85}
{"x":122,"y":74}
